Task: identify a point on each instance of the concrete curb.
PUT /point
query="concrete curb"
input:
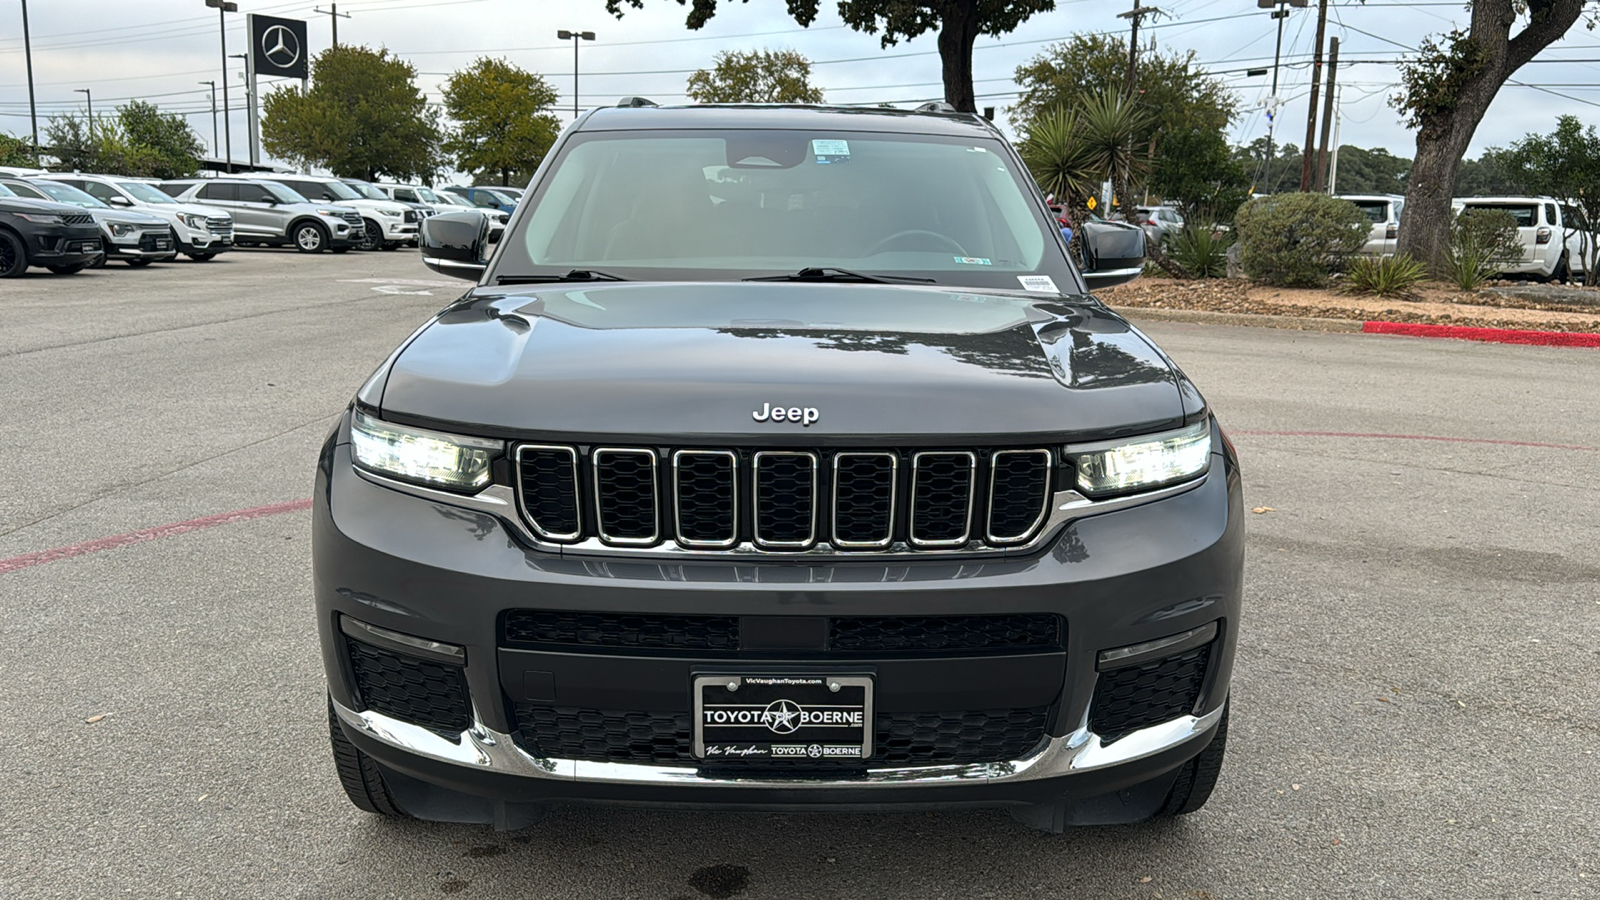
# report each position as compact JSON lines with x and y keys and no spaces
{"x":1204,"y":317}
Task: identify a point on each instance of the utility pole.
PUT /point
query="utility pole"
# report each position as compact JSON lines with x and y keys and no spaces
{"x":27,"y":52}
{"x":1327,"y":113}
{"x":1307,"y":156}
{"x":214,"y":138}
{"x":574,"y":37}
{"x":1333,"y":161}
{"x":1135,"y":16}
{"x":335,"y":15}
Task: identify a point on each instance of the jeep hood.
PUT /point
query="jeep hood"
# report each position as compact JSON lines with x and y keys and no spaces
{"x":637,"y":360}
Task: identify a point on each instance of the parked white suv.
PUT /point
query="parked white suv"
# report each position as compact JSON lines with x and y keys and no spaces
{"x":1384,"y":211}
{"x":1554,"y":247}
{"x":388,"y":224}
{"x":202,"y":231}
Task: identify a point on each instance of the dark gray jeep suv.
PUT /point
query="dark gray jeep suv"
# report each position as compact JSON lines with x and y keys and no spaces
{"x":779,"y":458}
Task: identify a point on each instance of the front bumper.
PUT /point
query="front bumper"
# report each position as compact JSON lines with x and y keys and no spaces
{"x":64,"y":245}
{"x":448,"y":574}
{"x":395,"y":230}
{"x":158,"y":245}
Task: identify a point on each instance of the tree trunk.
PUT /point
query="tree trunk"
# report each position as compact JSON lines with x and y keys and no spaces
{"x":1443,"y":137}
{"x":956,"y":37}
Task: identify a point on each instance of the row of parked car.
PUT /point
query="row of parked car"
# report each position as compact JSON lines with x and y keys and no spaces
{"x":66,"y":222}
{"x":1557,"y":241}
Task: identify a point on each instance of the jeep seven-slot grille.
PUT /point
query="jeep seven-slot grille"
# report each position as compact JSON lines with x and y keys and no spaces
{"x":707,"y":635}
{"x":780,"y":501}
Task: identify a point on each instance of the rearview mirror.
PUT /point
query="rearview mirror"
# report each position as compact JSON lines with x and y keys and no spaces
{"x":1113,"y":253}
{"x":456,"y":244}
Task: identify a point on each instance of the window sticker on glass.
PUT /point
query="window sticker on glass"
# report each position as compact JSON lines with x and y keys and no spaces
{"x":1043,"y":283}
{"x":972,"y":261}
{"x":831,"y":151}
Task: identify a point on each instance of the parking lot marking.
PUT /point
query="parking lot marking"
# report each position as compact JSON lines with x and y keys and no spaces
{"x":40,"y":557}
{"x":1416,"y":437}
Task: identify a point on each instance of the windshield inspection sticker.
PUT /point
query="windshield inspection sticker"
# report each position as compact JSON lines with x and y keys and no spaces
{"x":831,"y":151}
{"x":1043,"y":283}
{"x":972,"y":260}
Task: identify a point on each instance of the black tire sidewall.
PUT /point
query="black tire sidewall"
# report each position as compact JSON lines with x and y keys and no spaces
{"x":19,"y":264}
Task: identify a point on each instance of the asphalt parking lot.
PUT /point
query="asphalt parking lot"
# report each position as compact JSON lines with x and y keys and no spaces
{"x":1416,"y":704}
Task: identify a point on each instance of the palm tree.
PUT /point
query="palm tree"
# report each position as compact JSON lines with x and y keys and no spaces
{"x":1109,"y":122}
{"x":1058,"y":158}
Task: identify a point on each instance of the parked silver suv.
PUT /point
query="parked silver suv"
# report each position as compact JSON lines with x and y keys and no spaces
{"x":265,"y":212}
{"x":388,"y":224}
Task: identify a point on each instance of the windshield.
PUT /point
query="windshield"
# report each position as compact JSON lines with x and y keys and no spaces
{"x":6,"y":192}
{"x":367,"y":191}
{"x":697,"y":204}
{"x":144,"y":193}
{"x":66,"y":193}
{"x":1376,"y":210}
{"x":428,"y":196}
{"x":1525,"y":214}
{"x":340,"y":190}
{"x":284,"y":194}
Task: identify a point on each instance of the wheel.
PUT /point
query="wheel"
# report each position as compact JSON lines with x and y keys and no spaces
{"x":202,"y":257}
{"x":917,"y":232}
{"x":68,"y":270}
{"x":13,"y":255}
{"x":371,"y":235}
{"x":139,"y":263}
{"x":359,"y":775}
{"x":1198,"y":776}
{"x":309,"y":237}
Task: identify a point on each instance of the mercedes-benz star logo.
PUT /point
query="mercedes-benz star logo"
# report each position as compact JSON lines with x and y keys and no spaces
{"x":782,"y":716}
{"x":280,"y":46}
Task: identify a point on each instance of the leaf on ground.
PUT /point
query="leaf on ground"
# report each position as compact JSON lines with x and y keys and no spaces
{"x":93,"y":719}
{"x":1145,"y":880}
{"x":1263,"y":509}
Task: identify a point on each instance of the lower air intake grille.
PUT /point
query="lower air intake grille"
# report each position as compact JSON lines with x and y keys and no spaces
{"x":574,"y":629}
{"x":413,"y":690}
{"x":1126,"y":700}
{"x":902,"y":738}
{"x":890,"y":634}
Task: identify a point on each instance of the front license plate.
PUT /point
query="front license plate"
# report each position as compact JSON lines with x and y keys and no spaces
{"x":782,"y":718}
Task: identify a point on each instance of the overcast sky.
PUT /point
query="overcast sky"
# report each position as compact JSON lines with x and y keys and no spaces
{"x":161,"y":49}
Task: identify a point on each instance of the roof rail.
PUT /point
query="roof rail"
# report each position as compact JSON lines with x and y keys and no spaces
{"x":635,"y":103}
{"x":937,"y":106}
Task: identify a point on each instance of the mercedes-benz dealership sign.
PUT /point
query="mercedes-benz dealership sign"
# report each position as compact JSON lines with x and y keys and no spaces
{"x":278,"y":47}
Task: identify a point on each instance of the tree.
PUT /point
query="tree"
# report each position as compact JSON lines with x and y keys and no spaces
{"x":15,"y":151}
{"x":363,"y":117}
{"x":160,"y":145}
{"x":757,"y":76}
{"x":1195,"y":170}
{"x":1375,"y":171}
{"x":958,"y":23}
{"x":1446,"y":90}
{"x":1283,"y":173}
{"x":504,"y":124}
{"x":1485,"y":176}
{"x":1563,"y":164}
{"x":1178,"y":94}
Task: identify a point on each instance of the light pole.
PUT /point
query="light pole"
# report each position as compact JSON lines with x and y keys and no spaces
{"x":574,"y":36}
{"x":213,"y":83}
{"x":88,"y":98}
{"x":249,"y":103}
{"x":27,"y":52}
{"x":223,"y":7}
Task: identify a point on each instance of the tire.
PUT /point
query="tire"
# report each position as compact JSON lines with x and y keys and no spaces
{"x":1560,"y":273}
{"x":359,"y":775}
{"x":68,"y":270}
{"x":202,"y":257}
{"x":1198,"y":776}
{"x":99,"y":262}
{"x":13,"y":255}
{"x":309,"y":237}
{"x":139,"y":263}
{"x":371,"y":235}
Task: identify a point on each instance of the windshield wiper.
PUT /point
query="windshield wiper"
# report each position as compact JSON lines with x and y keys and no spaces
{"x":574,"y":275}
{"x":834,"y":273}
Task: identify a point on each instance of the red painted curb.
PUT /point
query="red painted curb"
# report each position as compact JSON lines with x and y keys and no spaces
{"x":148,"y":534}
{"x":1492,"y":335}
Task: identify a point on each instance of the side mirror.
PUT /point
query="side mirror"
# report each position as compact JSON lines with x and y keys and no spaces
{"x":120,"y":201}
{"x":1113,"y":253}
{"x":270,"y":200}
{"x":456,"y":244}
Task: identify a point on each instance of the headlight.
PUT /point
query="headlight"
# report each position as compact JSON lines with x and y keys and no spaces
{"x":194,"y":221}
{"x":426,"y":457}
{"x":330,"y":214}
{"x":1143,"y":463}
{"x":119,"y":229}
{"x":40,"y":218}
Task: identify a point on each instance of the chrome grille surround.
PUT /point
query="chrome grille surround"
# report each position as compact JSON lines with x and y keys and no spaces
{"x":598,"y":459}
{"x":894,"y":478}
{"x":678,"y":475}
{"x":1044,"y":504}
{"x":756,"y":528}
{"x":922,"y":480}
{"x":577,"y":491}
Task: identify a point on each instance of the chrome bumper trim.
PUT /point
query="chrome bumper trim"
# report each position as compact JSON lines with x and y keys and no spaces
{"x":483,"y":748}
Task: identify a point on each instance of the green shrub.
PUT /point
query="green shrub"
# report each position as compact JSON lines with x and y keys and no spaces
{"x":1201,"y":251}
{"x":1298,"y":240}
{"x":1388,"y":276}
{"x":1482,"y":242}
